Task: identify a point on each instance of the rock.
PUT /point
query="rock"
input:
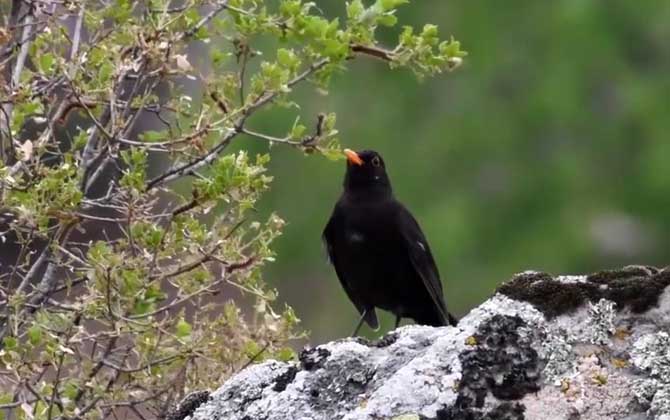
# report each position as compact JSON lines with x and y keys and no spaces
{"x":571,"y":347}
{"x":188,"y":405}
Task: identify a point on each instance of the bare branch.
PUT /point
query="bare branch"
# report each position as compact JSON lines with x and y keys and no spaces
{"x":23,"y":52}
{"x":372,"y":51}
{"x":76,"y":37}
{"x":222,"y":4}
{"x":193,"y":165}
{"x":147,"y":365}
{"x":6,"y":139}
{"x":56,"y":382}
{"x":271,"y":139}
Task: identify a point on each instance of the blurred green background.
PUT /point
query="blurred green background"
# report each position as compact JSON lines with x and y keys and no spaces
{"x":546,"y":150}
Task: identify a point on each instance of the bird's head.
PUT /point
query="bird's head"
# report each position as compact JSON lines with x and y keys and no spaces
{"x":366,"y":173}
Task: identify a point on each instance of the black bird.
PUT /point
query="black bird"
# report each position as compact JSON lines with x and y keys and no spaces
{"x":378,"y":249}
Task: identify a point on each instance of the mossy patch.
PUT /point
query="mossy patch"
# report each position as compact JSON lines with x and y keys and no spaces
{"x":637,"y":288}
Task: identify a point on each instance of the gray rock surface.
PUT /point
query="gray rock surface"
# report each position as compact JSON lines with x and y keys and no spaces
{"x":571,"y":347}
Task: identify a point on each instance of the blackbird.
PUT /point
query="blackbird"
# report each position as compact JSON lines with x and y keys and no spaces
{"x":379,"y":252}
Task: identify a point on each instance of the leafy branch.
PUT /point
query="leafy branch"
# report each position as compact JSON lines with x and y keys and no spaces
{"x":123,"y":292}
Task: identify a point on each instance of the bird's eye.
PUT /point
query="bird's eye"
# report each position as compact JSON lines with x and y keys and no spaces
{"x":376,"y":161}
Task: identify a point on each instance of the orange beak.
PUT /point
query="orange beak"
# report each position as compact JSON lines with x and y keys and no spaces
{"x":353,"y":157}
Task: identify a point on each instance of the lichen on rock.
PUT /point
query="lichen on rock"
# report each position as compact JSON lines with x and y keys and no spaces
{"x":601,"y":317}
{"x":571,"y":347}
{"x":651,"y":354}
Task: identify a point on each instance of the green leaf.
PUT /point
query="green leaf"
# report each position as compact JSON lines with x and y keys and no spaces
{"x":283,"y":56}
{"x":142,"y":307}
{"x":253,"y":351}
{"x":105,"y":72}
{"x":183,"y":329}
{"x":5,"y":398}
{"x":131,"y":282}
{"x":333,"y":154}
{"x":35,"y":335}
{"x":99,"y":253}
{"x":154,"y":293}
{"x":46,"y":61}
{"x":286,"y":354}
{"x":288,"y":59}
{"x":201,"y":34}
{"x":335,"y":49}
{"x":121,"y":12}
{"x":290,"y":317}
{"x":10,"y":343}
{"x":290,"y":8}
{"x":329,"y":123}
{"x":392,"y":4}
{"x":79,"y":141}
{"x":429,"y":32}
{"x":407,"y":36}
{"x":297,"y":130}
{"x":452,"y":48}
{"x":219,"y":57}
{"x":152,"y":136}
{"x":191,"y":16}
{"x":355,"y":9}
{"x":387,"y":20}
{"x":136,"y":160}
{"x":70,"y":389}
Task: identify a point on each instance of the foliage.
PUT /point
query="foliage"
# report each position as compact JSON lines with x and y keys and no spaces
{"x":111,"y":305}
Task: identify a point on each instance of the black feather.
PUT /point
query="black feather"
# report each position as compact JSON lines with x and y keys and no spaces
{"x":379,"y":252}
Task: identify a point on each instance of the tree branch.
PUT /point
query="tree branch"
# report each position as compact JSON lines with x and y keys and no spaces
{"x":229,"y":269}
{"x":209,"y":157}
{"x":6,"y":143}
{"x":223,"y":4}
{"x":76,"y":37}
{"x":376,"y":52}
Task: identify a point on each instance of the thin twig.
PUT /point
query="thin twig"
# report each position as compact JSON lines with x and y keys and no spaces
{"x":229,"y":269}
{"x":6,"y":143}
{"x":243,"y":69}
{"x":205,"y":20}
{"x":253,"y":358}
{"x":55,"y":384}
{"x":111,"y":344}
{"x":271,"y":139}
{"x":76,"y":37}
{"x":372,"y":51}
{"x":193,"y":165}
{"x":209,"y":157}
{"x":23,"y":52}
{"x":148,"y":365}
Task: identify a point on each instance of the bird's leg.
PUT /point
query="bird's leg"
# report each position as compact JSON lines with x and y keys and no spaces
{"x":397,"y":321}
{"x":360,"y":323}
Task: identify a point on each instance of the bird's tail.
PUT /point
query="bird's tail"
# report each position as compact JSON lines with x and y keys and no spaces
{"x":435,"y":318}
{"x":452,"y":319}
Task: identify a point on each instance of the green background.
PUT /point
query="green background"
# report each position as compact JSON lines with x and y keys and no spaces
{"x":547,"y":150}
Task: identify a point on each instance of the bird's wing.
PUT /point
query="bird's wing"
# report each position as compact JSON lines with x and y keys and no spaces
{"x":422,"y":261}
{"x":328,"y":238}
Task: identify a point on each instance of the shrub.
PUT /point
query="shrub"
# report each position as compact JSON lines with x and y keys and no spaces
{"x":111,"y":305}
